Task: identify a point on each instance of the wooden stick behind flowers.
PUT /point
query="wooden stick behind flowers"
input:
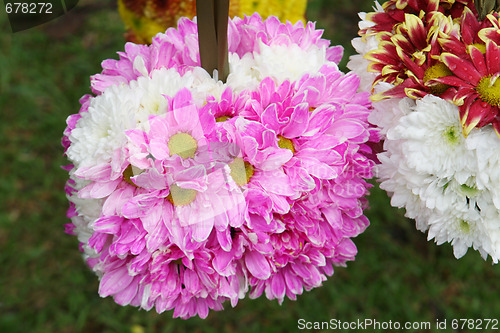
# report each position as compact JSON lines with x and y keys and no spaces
{"x":212,"y":18}
{"x":484,"y":7}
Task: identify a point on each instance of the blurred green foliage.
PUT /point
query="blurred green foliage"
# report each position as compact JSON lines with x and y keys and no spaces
{"x":46,"y":287}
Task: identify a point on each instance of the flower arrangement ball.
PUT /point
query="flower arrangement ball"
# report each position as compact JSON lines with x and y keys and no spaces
{"x":432,"y":67}
{"x":186,"y":192}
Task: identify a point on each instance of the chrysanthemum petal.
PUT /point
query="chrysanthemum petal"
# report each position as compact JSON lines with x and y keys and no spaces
{"x":492,"y":57}
{"x":462,"y":68}
{"x":257,"y":265}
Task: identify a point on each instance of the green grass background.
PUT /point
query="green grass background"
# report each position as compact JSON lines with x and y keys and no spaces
{"x":45,"y":286}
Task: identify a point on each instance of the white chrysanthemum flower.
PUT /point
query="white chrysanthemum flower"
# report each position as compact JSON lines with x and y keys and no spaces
{"x":243,"y":74}
{"x":487,"y":146}
{"x":411,"y":168}
{"x":444,"y":194}
{"x":491,"y":221}
{"x":463,"y":227}
{"x":452,"y":212}
{"x":357,"y":63}
{"x":100,"y":131}
{"x":288,"y":62}
{"x":168,"y":82}
{"x":88,"y":211}
{"x":399,"y":181}
{"x":432,"y":139}
{"x":282,"y":62}
{"x":453,"y":204}
{"x":204,"y":85}
{"x":386,"y":113}
{"x":447,"y":211}
{"x":150,"y":91}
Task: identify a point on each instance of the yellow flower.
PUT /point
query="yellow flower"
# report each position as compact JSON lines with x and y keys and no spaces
{"x":145,"y":18}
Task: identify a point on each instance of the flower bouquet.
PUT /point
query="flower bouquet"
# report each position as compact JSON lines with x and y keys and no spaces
{"x":433,"y":66}
{"x":187,"y":190}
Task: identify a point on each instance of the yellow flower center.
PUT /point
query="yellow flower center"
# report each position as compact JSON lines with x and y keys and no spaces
{"x":241,"y":171}
{"x":488,"y":89}
{"x":436,"y":71}
{"x":182,"y":144}
{"x":285,"y":143}
{"x":179,"y":196}
{"x":222,"y":118}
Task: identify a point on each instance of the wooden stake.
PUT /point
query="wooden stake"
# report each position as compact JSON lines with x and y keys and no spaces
{"x":484,"y":7}
{"x":212,"y":18}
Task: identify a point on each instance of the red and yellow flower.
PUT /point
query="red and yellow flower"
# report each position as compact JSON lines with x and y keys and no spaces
{"x":409,"y":57}
{"x":443,"y":50}
{"x":394,"y":12}
{"x":474,"y":61}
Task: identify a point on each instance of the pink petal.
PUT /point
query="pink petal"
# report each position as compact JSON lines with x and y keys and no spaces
{"x":97,"y":190}
{"x":114,"y":281}
{"x":257,"y":265}
{"x":125,"y":296}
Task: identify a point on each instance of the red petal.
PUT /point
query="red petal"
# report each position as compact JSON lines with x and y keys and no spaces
{"x":461,"y":68}
{"x":478,"y":60}
{"x":451,"y":81}
{"x":477,"y":112}
{"x":415,"y":93}
{"x":452,"y":45}
{"x":496,"y":126}
{"x":432,"y":6}
{"x":492,"y":34}
{"x":397,"y":15}
{"x":449,"y":94}
{"x":465,"y":96}
{"x":379,"y":18}
{"x":403,"y":43}
{"x":399,"y":91}
{"x":416,"y":31}
{"x":492,"y":57}
{"x":411,"y":65}
{"x":469,"y":27}
{"x":385,"y":53}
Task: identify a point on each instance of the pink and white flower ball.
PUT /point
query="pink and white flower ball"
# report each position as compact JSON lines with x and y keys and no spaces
{"x":186,"y":191}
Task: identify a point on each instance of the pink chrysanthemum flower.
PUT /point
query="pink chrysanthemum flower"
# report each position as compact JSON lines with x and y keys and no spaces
{"x":186,"y":192}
